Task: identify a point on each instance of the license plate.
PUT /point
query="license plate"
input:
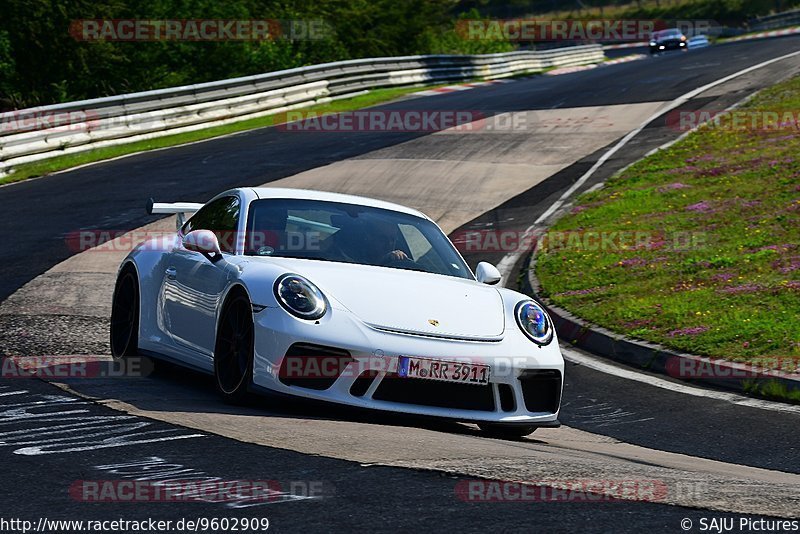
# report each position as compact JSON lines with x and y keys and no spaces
{"x":445,"y":371}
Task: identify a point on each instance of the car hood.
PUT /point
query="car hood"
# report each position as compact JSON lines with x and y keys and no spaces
{"x":407,"y":301}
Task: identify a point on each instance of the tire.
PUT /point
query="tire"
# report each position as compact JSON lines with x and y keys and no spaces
{"x":507,"y":431}
{"x":233,"y":350}
{"x":124,"y":330}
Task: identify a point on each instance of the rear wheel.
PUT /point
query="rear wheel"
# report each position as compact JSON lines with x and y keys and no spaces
{"x":233,"y":352}
{"x":507,"y":431}
{"x":125,"y":315}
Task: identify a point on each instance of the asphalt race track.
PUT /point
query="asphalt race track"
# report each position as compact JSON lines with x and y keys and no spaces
{"x":716,"y":456}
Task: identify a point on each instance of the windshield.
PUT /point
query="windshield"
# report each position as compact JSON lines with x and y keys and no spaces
{"x":348,"y":233}
{"x":664,"y":34}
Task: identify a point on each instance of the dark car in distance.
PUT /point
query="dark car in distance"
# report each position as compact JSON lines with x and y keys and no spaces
{"x":663,"y":40}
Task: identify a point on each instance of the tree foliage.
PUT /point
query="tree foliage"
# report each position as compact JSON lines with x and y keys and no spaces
{"x":41,"y":63}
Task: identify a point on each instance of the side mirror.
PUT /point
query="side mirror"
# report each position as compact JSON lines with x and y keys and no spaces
{"x":486,"y":273}
{"x":203,"y":241}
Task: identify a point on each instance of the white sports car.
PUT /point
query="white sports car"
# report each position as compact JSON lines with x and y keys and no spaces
{"x":341,"y":299}
{"x":698,"y":41}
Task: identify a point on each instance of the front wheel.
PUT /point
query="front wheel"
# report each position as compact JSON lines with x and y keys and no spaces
{"x":233,"y":351}
{"x":507,"y":431}
{"x":125,"y":315}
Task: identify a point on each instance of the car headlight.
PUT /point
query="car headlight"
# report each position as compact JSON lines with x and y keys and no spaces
{"x":300,"y":297}
{"x":653,"y":43}
{"x":534,"y":322}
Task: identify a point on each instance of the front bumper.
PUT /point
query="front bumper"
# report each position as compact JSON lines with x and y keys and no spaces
{"x":663,"y":46}
{"x":525,"y":385}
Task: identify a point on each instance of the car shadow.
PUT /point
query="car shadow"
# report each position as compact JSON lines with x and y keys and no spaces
{"x":166,"y":387}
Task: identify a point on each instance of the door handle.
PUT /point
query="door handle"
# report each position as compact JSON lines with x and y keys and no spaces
{"x":171,"y":273}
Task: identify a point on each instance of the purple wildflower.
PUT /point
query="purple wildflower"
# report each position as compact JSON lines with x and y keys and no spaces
{"x":788,"y":265}
{"x":683,"y":170}
{"x":705,"y":157}
{"x":672,"y":187}
{"x":577,"y":292}
{"x":781,"y":138}
{"x":744,"y":288}
{"x":632,"y":262}
{"x":725,"y":276}
{"x":637,"y":323}
{"x":690,"y":331}
{"x":778,"y":248}
{"x":714,"y":171}
{"x":702,"y":207}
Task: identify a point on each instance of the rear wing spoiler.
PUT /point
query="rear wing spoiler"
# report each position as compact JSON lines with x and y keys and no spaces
{"x":168,"y":208}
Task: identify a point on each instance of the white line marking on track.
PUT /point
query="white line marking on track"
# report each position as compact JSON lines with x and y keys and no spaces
{"x":598,"y":365}
{"x":571,"y":355}
{"x":507,"y":263}
{"x":677,"y":140}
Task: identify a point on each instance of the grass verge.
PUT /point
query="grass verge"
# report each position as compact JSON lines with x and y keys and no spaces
{"x":696,"y":247}
{"x":748,"y":34}
{"x":772,"y":390}
{"x":59,"y":163}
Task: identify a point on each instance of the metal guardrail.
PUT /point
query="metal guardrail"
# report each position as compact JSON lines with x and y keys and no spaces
{"x":776,"y":21}
{"x":39,"y":133}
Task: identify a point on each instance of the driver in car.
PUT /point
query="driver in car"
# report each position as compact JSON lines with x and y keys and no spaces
{"x":381,"y":248}
{"x":386,"y":239}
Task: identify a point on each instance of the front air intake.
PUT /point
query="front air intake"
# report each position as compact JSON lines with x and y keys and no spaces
{"x":313,"y":366}
{"x":541,"y":390}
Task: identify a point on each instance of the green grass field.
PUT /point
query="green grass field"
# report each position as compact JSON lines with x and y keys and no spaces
{"x":711,"y":261}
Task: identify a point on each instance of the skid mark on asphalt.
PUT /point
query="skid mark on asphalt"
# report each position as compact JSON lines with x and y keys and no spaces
{"x":349,"y":493}
{"x":600,"y":415}
{"x":563,"y":454}
{"x":179,"y":482}
{"x":37,"y":424}
{"x":82,"y":431}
